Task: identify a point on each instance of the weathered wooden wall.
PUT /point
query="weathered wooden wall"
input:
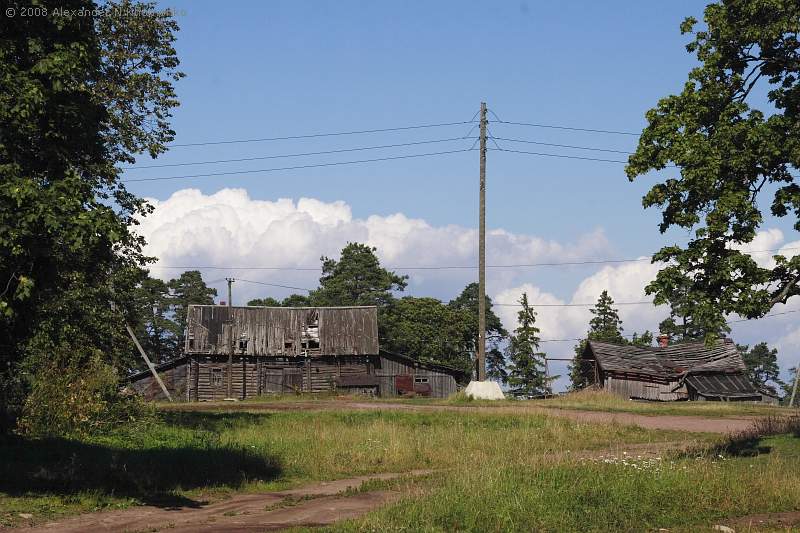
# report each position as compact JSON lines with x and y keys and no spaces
{"x":258,"y":376}
{"x":174,"y":379}
{"x":442,"y":384}
{"x":628,"y":387}
{"x":283,"y":331}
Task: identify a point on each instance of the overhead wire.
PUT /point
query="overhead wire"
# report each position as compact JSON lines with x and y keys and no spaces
{"x":300,"y":154}
{"x":450,"y":267}
{"x":727,"y":322}
{"x":295,"y":167}
{"x":571,"y":146}
{"x":326,"y":134}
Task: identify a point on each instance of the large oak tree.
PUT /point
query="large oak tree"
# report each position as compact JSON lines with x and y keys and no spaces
{"x":733,"y":136}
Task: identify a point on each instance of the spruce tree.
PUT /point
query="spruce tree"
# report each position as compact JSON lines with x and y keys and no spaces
{"x":606,"y":326}
{"x":527,"y":375}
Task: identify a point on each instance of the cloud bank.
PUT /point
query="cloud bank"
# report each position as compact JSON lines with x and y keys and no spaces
{"x":230,"y":229}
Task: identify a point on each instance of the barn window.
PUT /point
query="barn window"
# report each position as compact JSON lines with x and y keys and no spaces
{"x":420,"y":380}
{"x":216,"y":377}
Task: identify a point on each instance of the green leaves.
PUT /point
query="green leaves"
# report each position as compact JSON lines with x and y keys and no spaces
{"x":78,"y":95}
{"x":727,"y":156}
{"x":356,"y":279}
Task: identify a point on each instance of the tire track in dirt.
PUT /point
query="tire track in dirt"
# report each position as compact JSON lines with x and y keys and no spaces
{"x":312,"y":505}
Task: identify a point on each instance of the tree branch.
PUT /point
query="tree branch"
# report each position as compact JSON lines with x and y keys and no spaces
{"x":784,"y":293}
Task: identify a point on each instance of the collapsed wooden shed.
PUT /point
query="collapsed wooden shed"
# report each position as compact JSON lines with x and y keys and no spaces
{"x":244,"y":352}
{"x":683,"y":371}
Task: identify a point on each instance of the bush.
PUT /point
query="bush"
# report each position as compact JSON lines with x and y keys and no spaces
{"x":79,"y":397}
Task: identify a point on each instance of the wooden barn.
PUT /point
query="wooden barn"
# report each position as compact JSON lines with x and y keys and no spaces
{"x":684,"y":371}
{"x":244,"y":352}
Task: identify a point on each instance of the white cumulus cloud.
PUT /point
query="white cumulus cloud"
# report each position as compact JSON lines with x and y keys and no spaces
{"x":230,"y":229}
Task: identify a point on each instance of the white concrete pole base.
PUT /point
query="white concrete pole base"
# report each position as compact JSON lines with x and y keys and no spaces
{"x":484,"y":390}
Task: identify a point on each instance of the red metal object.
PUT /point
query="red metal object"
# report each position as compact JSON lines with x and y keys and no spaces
{"x":404,"y":384}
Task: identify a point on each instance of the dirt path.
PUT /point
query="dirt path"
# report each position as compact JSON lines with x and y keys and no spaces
{"x":760,"y":522}
{"x":313,"y":505}
{"x":691,"y":424}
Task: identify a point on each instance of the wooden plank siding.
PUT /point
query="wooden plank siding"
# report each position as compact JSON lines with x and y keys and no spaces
{"x":442,"y":384}
{"x":283,"y":331}
{"x":207,"y":374}
{"x":296,"y":349}
{"x":175,"y":379}
{"x":629,"y":387}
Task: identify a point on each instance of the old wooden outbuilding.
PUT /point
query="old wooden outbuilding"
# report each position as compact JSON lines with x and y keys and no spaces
{"x":683,"y":371}
{"x":244,"y":352}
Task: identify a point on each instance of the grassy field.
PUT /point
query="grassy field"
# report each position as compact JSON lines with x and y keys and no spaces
{"x":603,"y":494}
{"x":586,"y":400}
{"x":590,"y":400}
{"x":495,"y":471}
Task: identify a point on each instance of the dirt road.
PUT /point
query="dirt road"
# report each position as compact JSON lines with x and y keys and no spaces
{"x":313,"y":505}
{"x":691,"y":424}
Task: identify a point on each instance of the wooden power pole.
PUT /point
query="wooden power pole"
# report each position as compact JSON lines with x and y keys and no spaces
{"x":230,"y":338}
{"x":482,"y":253}
{"x":794,"y":388}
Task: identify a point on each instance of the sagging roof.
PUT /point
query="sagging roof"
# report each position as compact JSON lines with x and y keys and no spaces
{"x":668,"y":362}
{"x":283,"y":331}
{"x":457,"y":373}
{"x":727,"y":385}
{"x":172,"y":363}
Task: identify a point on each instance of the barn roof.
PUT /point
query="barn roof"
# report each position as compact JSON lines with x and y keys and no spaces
{"x":728,"y":385}
{"x":283,"y":331}
{"x":457,"y":373}
{"x":668,"y":362}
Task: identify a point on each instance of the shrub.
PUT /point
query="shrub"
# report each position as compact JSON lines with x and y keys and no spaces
{"x":78,"y":397}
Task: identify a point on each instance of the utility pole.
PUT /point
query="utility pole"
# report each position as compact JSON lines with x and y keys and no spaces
{"x":794,"y":388}
{"x":230,"y":338}
{"x":482,"y":254}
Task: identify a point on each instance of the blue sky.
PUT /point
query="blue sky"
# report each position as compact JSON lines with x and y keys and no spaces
{"x":260,"y":69}
{"x":281,"y":68}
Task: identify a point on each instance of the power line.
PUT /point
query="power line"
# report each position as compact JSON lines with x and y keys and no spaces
{"x":728,"y":322}
{"x":765,"y":316}
{"x":327,"y":134}
{"x":301,"y":154}
{"x":274,"y":285}
{"x":560,"y":127}
{"x":533,"y":304}
{"x":560,"y":156}
{"x":295,"y":167}
{"x":447,"y":267}
{"x":540,"y":143}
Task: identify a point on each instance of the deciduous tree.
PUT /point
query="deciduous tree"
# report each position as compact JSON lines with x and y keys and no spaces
{"x":718,"y":156}
{"x":79,"y":95}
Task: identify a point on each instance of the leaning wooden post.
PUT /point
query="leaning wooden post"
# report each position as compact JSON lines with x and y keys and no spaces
{"x":794,"y":388}
{"x":149,"y":363}
{"x":144,"y":356}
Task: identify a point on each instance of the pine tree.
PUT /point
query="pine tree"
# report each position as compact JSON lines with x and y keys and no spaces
{"x":527,"y":375}
{"x":762,"y":365}
{"x":496,"y":365}
{"x":606,"y":326}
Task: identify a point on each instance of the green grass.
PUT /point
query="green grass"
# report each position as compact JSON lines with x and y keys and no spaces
{"x":193,"y":456}
{"x":622,"y":494}
{"x":590,"y":400}
{"x":504,"y":469}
